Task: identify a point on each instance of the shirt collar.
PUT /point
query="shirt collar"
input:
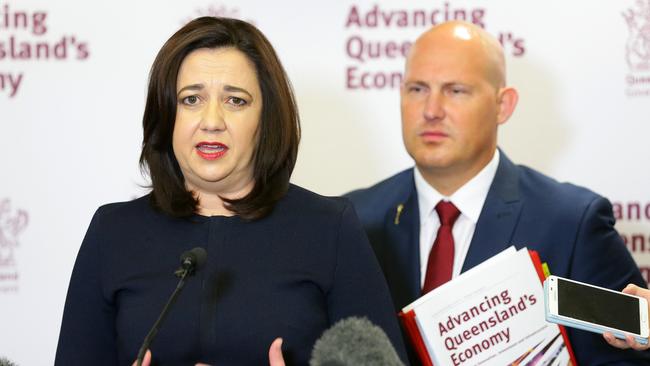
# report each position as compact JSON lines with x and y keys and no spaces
{"x":469,"y":198}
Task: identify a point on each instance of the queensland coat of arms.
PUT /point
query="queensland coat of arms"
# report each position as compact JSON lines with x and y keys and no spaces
{"x":637,"y":47}
{"x":12,"y":223}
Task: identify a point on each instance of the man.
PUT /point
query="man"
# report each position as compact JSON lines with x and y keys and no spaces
{"x":453,"y":99}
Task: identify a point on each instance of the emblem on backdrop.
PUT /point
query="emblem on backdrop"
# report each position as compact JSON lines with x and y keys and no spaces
{"x":12,"y":224}
{"x":216,"y":10}
{"x":637,"y":48}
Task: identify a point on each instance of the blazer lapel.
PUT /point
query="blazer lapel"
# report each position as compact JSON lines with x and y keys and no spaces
{"x":499,"y":217}
{"x":402,"y":228}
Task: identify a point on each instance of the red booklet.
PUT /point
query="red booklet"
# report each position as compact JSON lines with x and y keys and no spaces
{"x":491,"y":314}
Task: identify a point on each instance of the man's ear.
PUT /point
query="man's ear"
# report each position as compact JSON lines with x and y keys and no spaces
{"x":507,"y":101}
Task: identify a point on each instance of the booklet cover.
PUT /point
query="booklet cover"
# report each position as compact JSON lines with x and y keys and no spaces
{"x":492,"y":314}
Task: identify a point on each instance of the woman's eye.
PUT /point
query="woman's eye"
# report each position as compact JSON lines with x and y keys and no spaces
{"x":236,"y":101}
{"x":191,"y":100}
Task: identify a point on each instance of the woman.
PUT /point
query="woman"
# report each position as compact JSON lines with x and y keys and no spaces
{"x":221,"y":136}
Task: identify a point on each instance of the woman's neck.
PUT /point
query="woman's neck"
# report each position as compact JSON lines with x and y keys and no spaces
{"x":211,"y":203}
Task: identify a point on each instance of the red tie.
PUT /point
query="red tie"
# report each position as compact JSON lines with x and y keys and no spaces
{"x":441,"y":257}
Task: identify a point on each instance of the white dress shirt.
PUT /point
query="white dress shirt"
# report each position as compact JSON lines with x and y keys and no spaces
{"x":469,"y":200}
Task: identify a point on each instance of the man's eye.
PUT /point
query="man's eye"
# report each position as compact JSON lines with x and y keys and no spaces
{"x":458,"y":90}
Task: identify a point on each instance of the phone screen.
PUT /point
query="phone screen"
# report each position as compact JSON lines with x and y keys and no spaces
{"x":598,"y":306}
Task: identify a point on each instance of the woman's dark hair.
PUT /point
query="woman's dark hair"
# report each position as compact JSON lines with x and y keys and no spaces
{"x":278,"y":132}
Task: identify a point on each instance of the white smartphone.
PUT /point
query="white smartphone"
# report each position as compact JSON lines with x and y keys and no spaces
{"x":595,"y":309}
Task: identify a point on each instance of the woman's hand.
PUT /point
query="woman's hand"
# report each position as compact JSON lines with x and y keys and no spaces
{"x":146,"y":361}
{"x":275,"y":355}
{"x":629,"y":341}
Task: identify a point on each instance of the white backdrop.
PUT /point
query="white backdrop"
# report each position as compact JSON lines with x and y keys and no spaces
{"x":73,"y":78}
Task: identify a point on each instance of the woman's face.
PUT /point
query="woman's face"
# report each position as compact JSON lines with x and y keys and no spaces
{"x":217,"y":115}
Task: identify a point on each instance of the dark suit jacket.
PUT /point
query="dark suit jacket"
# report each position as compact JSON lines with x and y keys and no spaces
{"x":571,"y":227}
{"x":291,"y":274}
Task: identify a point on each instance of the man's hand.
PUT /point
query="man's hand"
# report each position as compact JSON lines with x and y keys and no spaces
{"x":629,"y":341}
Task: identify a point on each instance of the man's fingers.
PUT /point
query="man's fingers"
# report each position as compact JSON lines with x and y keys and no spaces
{"x":618,"y":343}
{"x":631,"y":289}
{"x":632,"y":343}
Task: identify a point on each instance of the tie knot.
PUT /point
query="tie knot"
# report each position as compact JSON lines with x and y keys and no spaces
{"x":447,"y":212}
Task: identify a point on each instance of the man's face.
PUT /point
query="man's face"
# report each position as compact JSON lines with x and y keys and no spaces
{"x":450,"y":107}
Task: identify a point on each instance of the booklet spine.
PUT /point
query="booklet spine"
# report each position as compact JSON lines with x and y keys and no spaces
{"x":409,"y":322}
{"x":537,"y":263}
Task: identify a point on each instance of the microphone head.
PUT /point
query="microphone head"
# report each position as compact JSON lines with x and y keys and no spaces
{"x":194,"y":258}
{"x":354,"y":341}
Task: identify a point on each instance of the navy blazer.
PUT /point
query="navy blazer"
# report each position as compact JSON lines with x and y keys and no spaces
{"x":571,"y":227}
{"x":291,"y":274}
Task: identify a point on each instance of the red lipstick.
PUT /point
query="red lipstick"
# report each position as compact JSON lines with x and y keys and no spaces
{"x":211,"y":150}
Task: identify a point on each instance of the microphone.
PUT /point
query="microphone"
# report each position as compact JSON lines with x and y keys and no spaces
{"x":354,"y":341}
{"x":191,"y":261}
{"x":5,"y":362}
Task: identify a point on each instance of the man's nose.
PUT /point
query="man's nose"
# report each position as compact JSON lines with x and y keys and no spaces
{"x":433,"y":107}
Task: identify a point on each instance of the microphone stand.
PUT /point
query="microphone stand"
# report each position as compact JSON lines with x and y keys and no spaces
{"x":185,"y":270}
